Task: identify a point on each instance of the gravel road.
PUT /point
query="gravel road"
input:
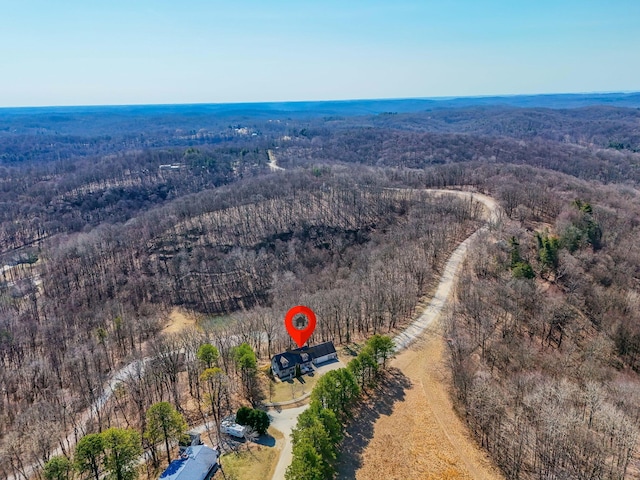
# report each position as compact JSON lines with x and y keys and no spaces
{"x":418,"y":326}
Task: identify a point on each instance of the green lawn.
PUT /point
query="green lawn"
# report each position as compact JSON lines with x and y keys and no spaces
{"x":281,"y":391}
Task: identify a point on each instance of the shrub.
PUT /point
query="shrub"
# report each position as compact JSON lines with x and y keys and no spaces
{"x":254,"y":418}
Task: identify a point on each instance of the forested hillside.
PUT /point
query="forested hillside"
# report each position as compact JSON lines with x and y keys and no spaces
{"x":111,"y":219}
{"x":544,"y":338}
{"x":334,"y":240}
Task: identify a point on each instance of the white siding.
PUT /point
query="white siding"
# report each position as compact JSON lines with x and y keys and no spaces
{"x":324,"y":358}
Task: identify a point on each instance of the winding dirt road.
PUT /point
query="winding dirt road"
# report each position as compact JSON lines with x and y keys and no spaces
{"x":399,"y":447}
{"x":273,"y":162}
{"x":450,"y":273}
{"x":422,"y":436}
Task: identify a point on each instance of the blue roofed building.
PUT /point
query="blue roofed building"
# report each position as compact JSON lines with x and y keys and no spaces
{"x":198,"y":462}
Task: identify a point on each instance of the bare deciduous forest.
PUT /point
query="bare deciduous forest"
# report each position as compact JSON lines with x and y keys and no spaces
{"x":112,"y":218}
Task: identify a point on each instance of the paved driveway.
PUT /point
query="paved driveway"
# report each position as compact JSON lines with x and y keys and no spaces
{"x":284,"y":421}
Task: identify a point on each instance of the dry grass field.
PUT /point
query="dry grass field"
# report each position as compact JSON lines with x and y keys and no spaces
{"x":179,"y":319}
{"x":255,"y":462}
{"x":409,"y":428}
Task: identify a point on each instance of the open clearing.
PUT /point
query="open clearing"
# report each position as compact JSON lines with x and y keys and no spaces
{"x":411,"y":429}
{"x":179,"y":319}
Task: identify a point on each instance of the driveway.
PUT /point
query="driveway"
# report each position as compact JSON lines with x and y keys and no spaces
{"x":285,"y":420}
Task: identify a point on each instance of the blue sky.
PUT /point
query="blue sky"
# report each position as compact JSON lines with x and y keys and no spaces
{"x":69,"y":52}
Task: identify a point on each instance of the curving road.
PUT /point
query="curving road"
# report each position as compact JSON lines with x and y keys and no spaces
{"x":450,"y":273}
{"x":285,"y":420}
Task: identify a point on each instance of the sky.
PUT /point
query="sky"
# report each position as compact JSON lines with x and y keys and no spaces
{"x":94,"y":52}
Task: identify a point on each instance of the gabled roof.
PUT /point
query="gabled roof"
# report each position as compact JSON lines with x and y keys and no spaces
{"x":289,"y":359}
{"x":303,"y":355}
{"x":322,"y":349}
{"x":195,"y":464}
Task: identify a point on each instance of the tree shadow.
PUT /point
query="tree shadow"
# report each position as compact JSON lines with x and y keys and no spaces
{"x":359,"y":432}
{"x":266,"y":440}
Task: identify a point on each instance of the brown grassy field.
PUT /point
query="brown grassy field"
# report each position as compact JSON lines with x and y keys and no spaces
{"x":257,"y":461}
{"x":409,"y":429}
{"x":179,"y":319}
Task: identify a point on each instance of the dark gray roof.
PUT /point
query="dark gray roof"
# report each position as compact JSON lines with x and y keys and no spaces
{"x":292,"y":358}
{"x":195,"y":464}
{"x":296,"y":356}
{"x":322,"y":349}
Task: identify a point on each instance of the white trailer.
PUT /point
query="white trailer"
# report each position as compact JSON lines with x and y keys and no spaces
{"x":233,"y":429}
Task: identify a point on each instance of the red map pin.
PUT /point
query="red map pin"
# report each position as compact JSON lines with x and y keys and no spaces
{"x":300,"y":336}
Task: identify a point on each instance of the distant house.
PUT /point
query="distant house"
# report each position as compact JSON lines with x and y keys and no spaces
{"x":284,"y":364}
{"x":174,"y":166}
{"x":198,"y":462}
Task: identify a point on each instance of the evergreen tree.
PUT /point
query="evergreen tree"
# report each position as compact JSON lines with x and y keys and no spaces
{"x":523,"y":270}
{"x":242,"y":415}
{"x":336,"y":390}
{"x":256,"y":419}
{"x":259,"y":420}
{"x":548,"y":247}
{"x":306,"y":464}
{"x":382,"y":347}
{"x":326,"y":417}
{"x":315,"y":435}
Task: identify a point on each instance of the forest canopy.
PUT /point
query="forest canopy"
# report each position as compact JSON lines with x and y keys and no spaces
{"x":109,"y":220}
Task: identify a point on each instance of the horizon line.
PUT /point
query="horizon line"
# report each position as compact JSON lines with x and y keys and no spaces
{"x":344,"y":100}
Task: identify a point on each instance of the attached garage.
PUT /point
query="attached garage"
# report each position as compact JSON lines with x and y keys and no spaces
{"x":323,"y":352}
